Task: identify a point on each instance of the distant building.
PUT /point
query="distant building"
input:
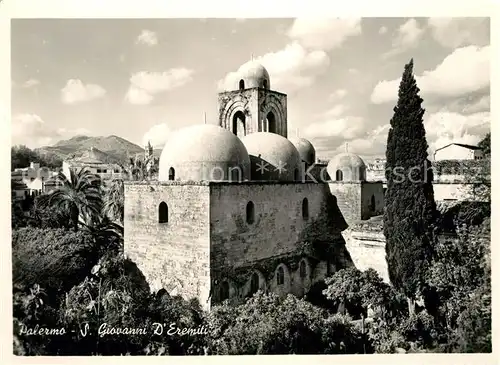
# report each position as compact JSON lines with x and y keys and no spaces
{"x":96,"y":162}
{"x":458,"y":151}
{"x":30,"y":181}
{"x":375,"y":170}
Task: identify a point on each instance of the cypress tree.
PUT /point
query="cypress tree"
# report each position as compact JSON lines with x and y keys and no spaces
{"x":410,"y":208}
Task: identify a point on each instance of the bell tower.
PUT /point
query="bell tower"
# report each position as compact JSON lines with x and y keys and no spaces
{"x":250,"y":105}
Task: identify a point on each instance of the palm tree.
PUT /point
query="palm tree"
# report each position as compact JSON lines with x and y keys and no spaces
{"x":80,"y":195}
{"x":114,"y":201}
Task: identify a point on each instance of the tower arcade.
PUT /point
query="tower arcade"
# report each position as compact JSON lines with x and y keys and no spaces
{"x":249,"y":105}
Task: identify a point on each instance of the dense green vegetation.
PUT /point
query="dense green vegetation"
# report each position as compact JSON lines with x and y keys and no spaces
{"x":22,"y":156}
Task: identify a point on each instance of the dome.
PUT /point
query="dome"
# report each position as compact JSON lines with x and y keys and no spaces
{"x":306,"y":150}
{"x":204,"y":152}
{"x":252,"y":74}
{"x":273,"y":157}
{"x":352,"y":168}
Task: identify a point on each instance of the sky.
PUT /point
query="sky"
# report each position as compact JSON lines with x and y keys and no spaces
{"x":142,"y":79}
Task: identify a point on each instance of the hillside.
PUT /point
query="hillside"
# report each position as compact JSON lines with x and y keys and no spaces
{"x":114,"y":146}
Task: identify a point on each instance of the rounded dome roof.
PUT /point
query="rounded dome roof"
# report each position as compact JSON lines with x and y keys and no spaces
{"x":253,"y":74}
{"x":272,"y":156}
{"x":306,"y":150}
{"x":204,"y":152}
{"x":352,"y":166}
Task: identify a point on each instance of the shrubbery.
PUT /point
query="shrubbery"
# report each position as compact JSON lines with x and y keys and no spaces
{"x":55,"y":259}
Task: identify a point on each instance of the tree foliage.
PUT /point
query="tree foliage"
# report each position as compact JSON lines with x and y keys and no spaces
{"x":114,"y":200}
{"x":410,"y":207}
{"x":22,"y":156}
{"x":55,"y":259}
{"x":485,"y":144}
{"x":79,"y":195}
{"x":268,"y":324}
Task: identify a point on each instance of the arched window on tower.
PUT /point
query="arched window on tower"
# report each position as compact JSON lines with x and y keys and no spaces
{"x":302,"y":269}
{"x":280,"y":276}
{"x":254,"y":283}
{"x":271,"y":123}
{"x":239,"y":124}
{"x":242,"y":84}
{"x":250,"y":213}
{"x":171,"y":173}
{"x":372,"y":203}
{"x":305,"y":209}
{"x":339,"y":176}
{"x":163,"y":213}
{"x":264,"y":84}
{"x":224,"y":291}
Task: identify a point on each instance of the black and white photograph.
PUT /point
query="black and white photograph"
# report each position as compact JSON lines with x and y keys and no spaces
{"x":250,"y":186}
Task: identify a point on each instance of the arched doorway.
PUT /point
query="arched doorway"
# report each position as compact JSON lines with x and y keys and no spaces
{"x":239,"y":124}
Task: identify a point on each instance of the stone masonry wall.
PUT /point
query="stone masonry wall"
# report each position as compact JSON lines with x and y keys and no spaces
{"x":174,"y":255}
{"x":348,"y":196}
{"x":278,"y":236}
{"x":369,"y":189}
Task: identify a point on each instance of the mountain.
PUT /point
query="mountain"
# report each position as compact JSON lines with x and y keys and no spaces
{"x":114,"y":146}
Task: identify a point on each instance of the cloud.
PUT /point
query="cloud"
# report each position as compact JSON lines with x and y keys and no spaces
{"x":292,"y":68}
{"x":301,"y":61}
{"x":374,"y":143}
{"x":32,"y":131}
{"x":468,"y":104}
{"x":338,"y":94}
{"x":445,"y":127}
{"x":348,"y":127}
{"x":31,"y":83}
{"x":382,"y":30}
{"x":335,"y":111}
{"x":144,"y":85}
{"x":456,"y":32}
{"x":324,"y":33}
{"x":408,"y":35}
{"x":76,"y":91}
{"x":157,"y":135}
{"x":464,"y":71}
{"x":353,"y":71}
{"x":147,"y":37}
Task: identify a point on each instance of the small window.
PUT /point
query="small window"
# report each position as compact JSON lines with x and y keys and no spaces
{"x":302,"y":269}
{"x":224,"y":291}
{"x":280,"y":276}
{"x":242,"y":84}
{"x":339,"y":176}
{"x":254,"y":283}
{"x":171,"y":174}
{"x":264,"y":84}
{"x":296,"y":175}
{"x":250,"y":213}
{"x":104,"y":171}
{"x":305,"y":208}
{"x":372,"y":203}
{"x":163,"y":213}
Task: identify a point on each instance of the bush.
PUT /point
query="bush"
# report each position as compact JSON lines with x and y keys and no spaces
{"x":55,"y":259}
{"x":267,"y":324}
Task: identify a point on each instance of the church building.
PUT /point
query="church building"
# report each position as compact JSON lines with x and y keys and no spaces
{"x":238,"y":207}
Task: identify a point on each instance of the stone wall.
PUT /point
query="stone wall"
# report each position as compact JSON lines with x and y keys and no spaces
{"x":348,"y":196}
{"x":444,"y":190}
{"x":278,"y":236}
{"x":367,"y":250}
{"x":369,"y":189}
{"x":174,"y":255}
